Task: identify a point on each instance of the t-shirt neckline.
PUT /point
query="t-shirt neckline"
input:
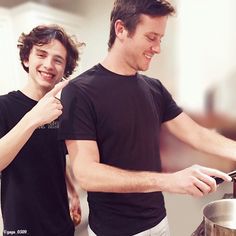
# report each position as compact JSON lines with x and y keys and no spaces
{"x":127,"y":77}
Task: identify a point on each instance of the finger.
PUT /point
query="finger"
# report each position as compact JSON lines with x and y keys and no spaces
{"x":58,"y":87}
{"x":59,"y":106}
{"x":208,"y":180}
{"x":195,"y":191}
{"x":57,"y":100}
{"x":217,"y":173}
{"x":76,"y":209}
{"x":76,"y":219}
{"x":204,"y":187}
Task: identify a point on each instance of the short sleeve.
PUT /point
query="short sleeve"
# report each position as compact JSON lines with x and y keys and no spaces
{"x":171,"y":109}
{"x":78,"y":120}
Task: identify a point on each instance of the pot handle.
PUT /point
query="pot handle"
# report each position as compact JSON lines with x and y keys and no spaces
{"x":231,"y":174}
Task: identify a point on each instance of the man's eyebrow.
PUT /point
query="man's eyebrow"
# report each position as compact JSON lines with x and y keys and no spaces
{"x":156,"y":34}
{"x":60,"y":57}
{"x":44,"y":51}
{"x":40,"y":50}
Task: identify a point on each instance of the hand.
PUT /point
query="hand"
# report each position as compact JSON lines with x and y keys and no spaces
{"x":75,"y":210}
{"x":196,"y":181}
{"x":49,"y":107}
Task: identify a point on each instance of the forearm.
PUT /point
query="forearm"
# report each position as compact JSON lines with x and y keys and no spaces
{"x":103,"y":178}
{"x":200,"y":138}
{"x":15,"y":139}
{"x":195,"y":180}
{"x":70,"y":180}
{"x":216,"y":144}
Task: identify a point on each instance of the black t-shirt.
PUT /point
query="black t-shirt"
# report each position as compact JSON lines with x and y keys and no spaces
{"x":33,"y":190}
{"x":124,"y":115}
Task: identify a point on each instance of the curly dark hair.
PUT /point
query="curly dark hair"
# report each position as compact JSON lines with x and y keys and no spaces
{"x":129,"y":11}
{"x":43,"y":34}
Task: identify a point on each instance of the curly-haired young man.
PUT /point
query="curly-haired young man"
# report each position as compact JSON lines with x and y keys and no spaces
{"x":34,"y":198}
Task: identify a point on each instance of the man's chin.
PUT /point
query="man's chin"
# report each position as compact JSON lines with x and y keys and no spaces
{"x":144,"y":68}
{"x":47,"y":85}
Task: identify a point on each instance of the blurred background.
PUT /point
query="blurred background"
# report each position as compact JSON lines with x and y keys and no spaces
{"x":197,"y":64}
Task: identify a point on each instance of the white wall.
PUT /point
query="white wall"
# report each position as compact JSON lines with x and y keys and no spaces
{"x":7,"y":78}
{"x":206,"y":48}
{"x":95,"y":31}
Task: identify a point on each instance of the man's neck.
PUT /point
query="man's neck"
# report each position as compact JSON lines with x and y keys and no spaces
{"x":117,"y":64}
{"x":33,"y":92}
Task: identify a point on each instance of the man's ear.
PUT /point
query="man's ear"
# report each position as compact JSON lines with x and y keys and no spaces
{"x":120,"y":29}
{"x":26,"y":63}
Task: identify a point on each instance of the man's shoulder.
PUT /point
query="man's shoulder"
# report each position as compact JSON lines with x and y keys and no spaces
{"x":151,"y":81}
{"x":86,"y":75}
{"x":8,"y":97}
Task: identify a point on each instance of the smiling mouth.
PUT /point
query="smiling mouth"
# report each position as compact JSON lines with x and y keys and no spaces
{"x":148,"y":56}
{"x":46,"y":75}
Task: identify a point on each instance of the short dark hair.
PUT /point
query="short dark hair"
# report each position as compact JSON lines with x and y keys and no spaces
{"x":44,"y":34}
{"x":129,"y":11}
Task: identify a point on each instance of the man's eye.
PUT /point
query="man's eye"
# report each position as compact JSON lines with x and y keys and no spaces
{"x":150,"y":38}
{"x":58,"y":61}
{"x":41,"y":55}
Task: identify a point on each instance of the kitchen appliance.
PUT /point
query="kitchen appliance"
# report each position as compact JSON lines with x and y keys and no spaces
{"x":219,"y":217}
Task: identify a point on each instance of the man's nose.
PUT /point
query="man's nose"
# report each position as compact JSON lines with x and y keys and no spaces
{"x":156,"y":48}
{"x":48,"y":63}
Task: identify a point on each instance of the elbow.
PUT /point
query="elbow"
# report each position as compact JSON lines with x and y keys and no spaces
{"x":82,"y":182}
{"x":3,"y":166}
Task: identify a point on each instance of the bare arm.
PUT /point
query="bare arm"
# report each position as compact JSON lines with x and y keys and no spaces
{"x":74,"y":201}
{"x":44,"y":112}
{"x":95,"y":176}
{"x":200,"y":138}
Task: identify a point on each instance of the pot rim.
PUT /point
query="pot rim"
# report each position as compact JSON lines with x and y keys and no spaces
{"x":219,"y":200}
{"x":208,"y":205}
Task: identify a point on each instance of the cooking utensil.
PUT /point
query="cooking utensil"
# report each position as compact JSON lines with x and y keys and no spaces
{"x":231,"y":174}
{"x":220,"y":218}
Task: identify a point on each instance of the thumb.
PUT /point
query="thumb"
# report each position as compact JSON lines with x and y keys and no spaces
{"x":58,"y":87}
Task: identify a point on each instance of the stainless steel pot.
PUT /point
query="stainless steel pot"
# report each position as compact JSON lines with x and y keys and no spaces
{"x":220,"y":218}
